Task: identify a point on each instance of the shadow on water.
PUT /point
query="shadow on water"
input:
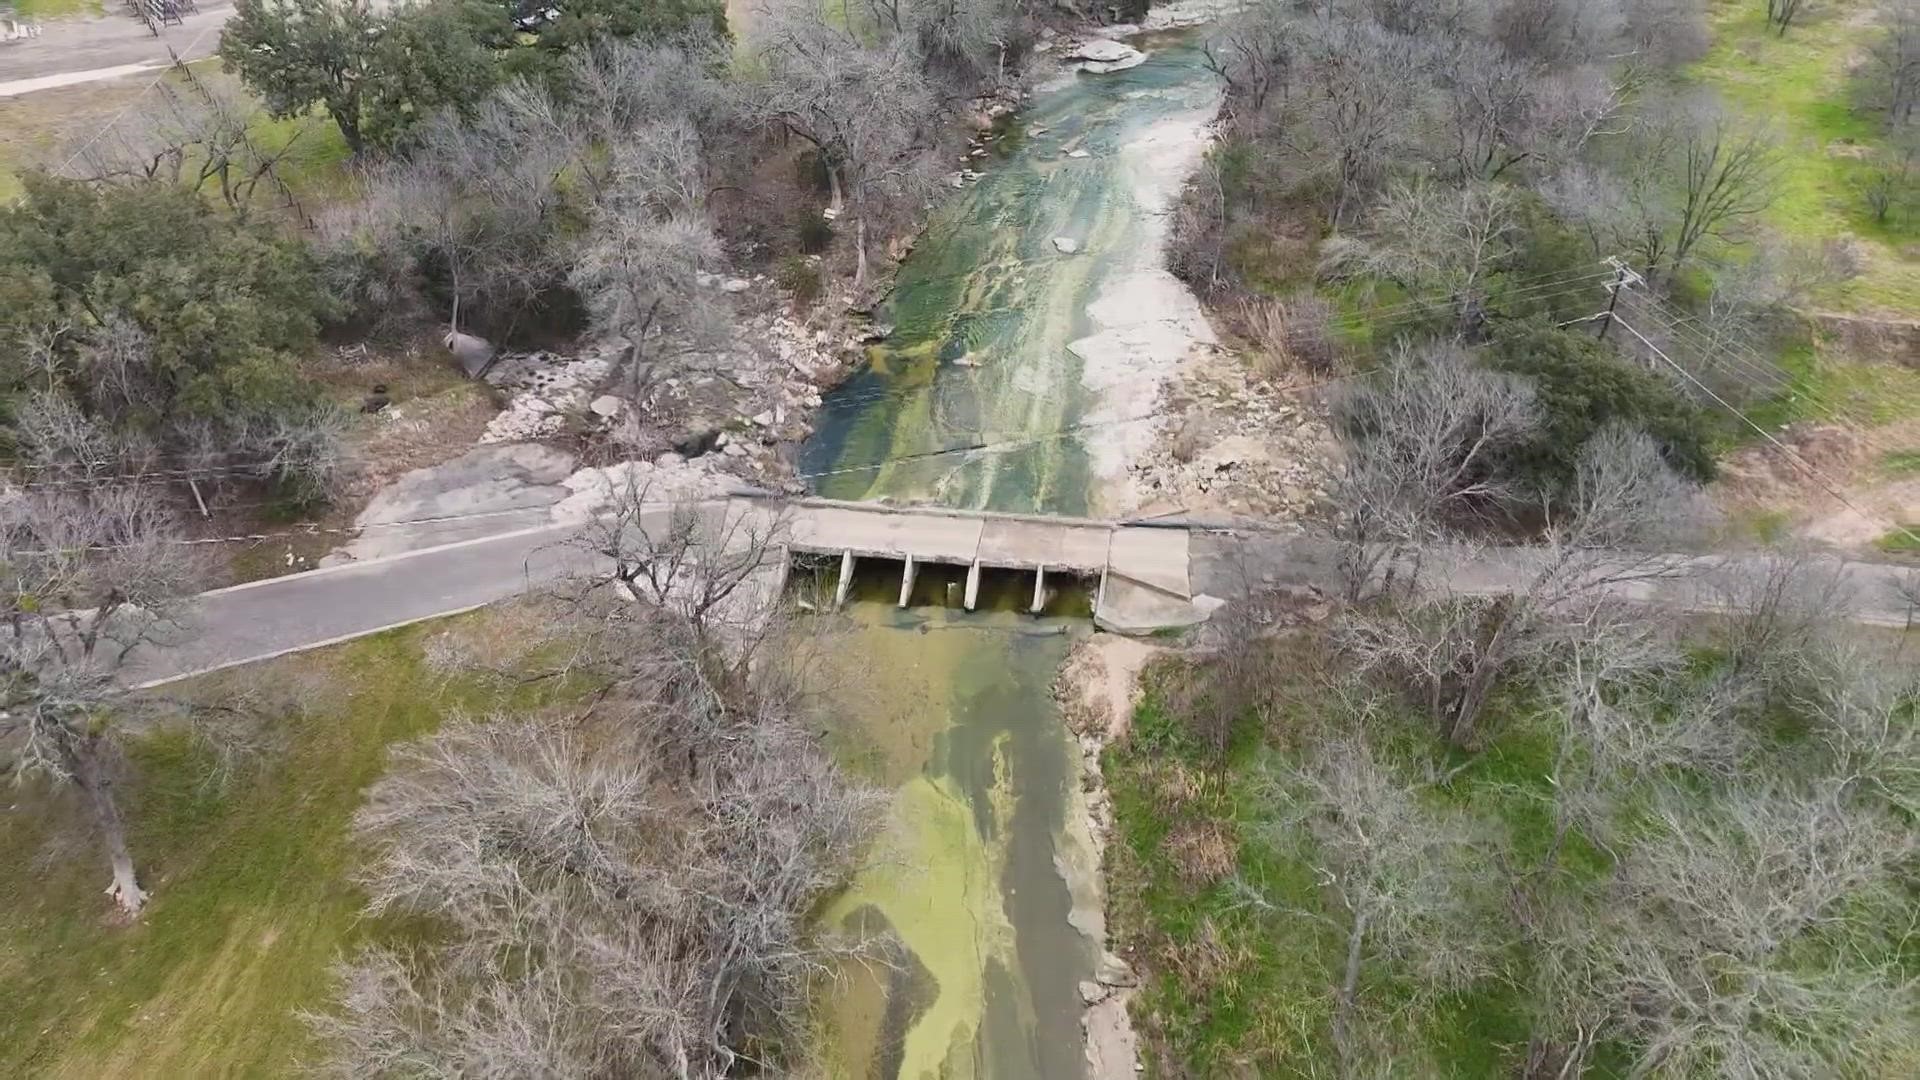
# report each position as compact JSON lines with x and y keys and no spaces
{"x":950,"y":709}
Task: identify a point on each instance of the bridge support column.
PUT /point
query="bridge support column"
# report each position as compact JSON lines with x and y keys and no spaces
{"x":906,"y":581}
{"x":845,"y":584}
{"x":973,"y":584}
{"x":1039,"y":590}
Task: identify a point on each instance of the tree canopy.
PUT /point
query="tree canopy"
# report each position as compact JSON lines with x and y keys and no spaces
{"x":1581,"y":386}
{"x":214,"y":305}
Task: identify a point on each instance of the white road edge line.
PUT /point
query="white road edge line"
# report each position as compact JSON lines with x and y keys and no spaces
{"x":310,"y":646}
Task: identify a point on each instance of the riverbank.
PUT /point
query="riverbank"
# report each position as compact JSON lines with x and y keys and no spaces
{"x":1095,"y":692}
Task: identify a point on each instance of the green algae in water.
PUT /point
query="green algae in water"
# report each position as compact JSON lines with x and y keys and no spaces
{"x":984,"y":309}
{"x":952,"y":710}
{"x":953,"y":713}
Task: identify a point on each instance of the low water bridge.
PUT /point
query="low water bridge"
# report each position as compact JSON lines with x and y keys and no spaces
{"x":1142,"y":569}
{"x":1144,"y":583}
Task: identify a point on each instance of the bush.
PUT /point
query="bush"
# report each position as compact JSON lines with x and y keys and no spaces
{"x":1582,"y":385}
{"x":202,"y":310}
{"x":799,"y":277}
{"x":812,"y":232}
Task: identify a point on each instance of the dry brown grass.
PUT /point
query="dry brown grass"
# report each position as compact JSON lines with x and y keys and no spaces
{"x":1203,"y":852}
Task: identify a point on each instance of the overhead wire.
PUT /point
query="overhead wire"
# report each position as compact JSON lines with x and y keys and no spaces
{"x":1794,"y":455}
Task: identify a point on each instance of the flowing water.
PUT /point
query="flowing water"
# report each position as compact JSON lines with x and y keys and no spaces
{"x":1015,"y":379}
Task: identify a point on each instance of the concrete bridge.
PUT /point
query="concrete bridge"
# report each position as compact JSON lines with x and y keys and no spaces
{"x":1143,"y":573}
{"x":1142,"y":569}
{"x":1151,"y":576}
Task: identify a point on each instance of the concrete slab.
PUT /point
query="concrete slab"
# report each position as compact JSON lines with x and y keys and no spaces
{"x":1155,"y":557}
{"x":1028,"y":545}
{"x":1128,"y":607}
{"x":928,"y":537}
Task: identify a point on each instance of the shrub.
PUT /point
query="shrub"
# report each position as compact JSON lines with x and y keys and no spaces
{"x":800,"y":277}
{"x":812,"y":232}
{"x":1580,"y":386}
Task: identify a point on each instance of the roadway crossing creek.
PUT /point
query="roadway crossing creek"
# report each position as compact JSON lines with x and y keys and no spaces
{"x":1013,"y":381}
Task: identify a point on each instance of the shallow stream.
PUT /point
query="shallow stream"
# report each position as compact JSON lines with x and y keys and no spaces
{"x":1016,"y":378}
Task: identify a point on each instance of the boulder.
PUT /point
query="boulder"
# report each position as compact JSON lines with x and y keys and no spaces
{"x":607,"y":405}
{"x":1066,"y":245}
{"x":1100,"y":57}
{"x":736,"y":285}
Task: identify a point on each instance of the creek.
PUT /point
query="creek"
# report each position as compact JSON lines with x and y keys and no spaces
{"x":1018,"y":377}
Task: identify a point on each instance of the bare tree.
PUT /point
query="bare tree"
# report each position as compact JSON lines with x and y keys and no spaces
{"x":1453,"y":648}
{"x":1420,"y":456}
{"x":1359,"y":104}
{"x":482,"y":197}
{"x":643,"y":262}
{"x":1252,"y":53}
{"x":712,"y":561}
{"x":1890,"y":73}
{"x":1752,"y":937}
{"x":1406,"y":884}
{"x":1429,"y":239}
{"x":1685,"y":175}
{"x":1778,"y":611}
{"x":192,"y":138}
{"x":865,"y":108}
{"x":1890,"y":184}
{"x":1781,"y":13}
{"x":1668,"y":32}
{"x":92,"y":574}
{"x":628,"y":891}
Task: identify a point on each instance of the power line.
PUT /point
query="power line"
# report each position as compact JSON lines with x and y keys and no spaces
{"x":1860,"y":427}
{"x":134,"y":100}
{"x":1791,"y":453}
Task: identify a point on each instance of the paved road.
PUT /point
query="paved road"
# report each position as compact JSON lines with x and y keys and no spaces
{"x":301,"y":611}
{"x":237,"y":625}
{"x":1227,"y":565}
{"x":245,"y":623}
{"x":112,"y":46}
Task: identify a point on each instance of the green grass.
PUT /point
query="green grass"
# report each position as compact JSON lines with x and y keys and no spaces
{"x":1900,"y":463}
{"x":251,"y":895}
{"x":1799,"y":85}
{"x":37,"y":127}
{"x":1827,"y":390}
{"x":1904,"y":539}
{"x":46,"y":10}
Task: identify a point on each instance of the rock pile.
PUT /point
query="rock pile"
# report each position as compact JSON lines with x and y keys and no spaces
{"x":1101,"y":56}
{"x":543,"y":389}
{"x":743,"y":402}
{"x":1233,"y":446}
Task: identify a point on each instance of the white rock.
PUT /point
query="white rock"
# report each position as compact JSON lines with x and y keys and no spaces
{"x":736,"y":285}
{"x":1104,"y":57}
{"x":1079,"y":154}
{"x":1101,"y":51}
{"x":1066,"y":245}
{"x":607,"y":405}
{"x":764,"y":419}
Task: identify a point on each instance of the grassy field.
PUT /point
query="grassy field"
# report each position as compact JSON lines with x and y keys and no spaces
{"x":1237,"y":987}
{"x":251,"y":902}
{"x":46,"y":10}
{"x":44,"y":128}
{"x":1799,"y":85}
